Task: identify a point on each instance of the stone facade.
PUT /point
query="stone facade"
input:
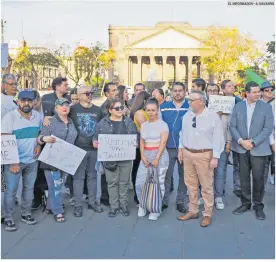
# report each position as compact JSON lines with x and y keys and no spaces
{"x":168,"y":52}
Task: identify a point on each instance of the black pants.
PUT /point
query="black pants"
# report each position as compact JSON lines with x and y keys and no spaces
{"x":256,"y":164}
{"x":105,"y":195}
{"x":136,"y":163}
{"x":39,"y":186}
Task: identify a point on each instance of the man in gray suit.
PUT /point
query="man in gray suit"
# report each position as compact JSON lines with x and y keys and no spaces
{"x":251,"y":125}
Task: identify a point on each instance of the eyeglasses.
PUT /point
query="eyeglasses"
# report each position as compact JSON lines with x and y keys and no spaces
{"x":192,"y":100}
{"x":118,"y":108}
{"x":13,"y":84}
{"x":194,"y":122}
{"x":87,"y":93}
{"x":269,"y":90}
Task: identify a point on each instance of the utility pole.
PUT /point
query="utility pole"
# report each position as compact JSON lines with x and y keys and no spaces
{"x":2,"y":30}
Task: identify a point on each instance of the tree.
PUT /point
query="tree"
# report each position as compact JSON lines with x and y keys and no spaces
{"x":84,"y":63}
{"x":28,"y":64}
{"x":227,"y":46}
{"x":271,"y":47}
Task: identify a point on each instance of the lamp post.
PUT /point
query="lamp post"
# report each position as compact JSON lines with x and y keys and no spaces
{"x":2,"y":30}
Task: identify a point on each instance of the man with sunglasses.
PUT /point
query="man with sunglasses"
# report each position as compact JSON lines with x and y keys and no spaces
{"x":268,"y":96}
{"x":85,"y":116}
{"x":200,"y":145}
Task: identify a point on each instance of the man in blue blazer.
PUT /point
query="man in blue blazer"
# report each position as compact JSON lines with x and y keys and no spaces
{"x":251,"y":125}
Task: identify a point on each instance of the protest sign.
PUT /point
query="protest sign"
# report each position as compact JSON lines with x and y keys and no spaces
{"x":117,"y":147}
{"x":9,"y":150}
{"x":62,"y":155}
{"x":223,"y":104}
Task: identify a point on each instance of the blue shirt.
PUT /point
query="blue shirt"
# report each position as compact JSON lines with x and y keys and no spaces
{"x":173,"y":117}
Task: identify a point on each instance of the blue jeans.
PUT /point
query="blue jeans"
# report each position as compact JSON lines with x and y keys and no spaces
{"x":99,"y":178}
{"x":220,"y":175}
{"x":55,"y":182}
{"x":28,"y":173}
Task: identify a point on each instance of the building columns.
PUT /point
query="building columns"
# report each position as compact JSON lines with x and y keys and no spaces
{"x":139,"y":68}
{"x":190,"y":60}
{"x":176,"y":69}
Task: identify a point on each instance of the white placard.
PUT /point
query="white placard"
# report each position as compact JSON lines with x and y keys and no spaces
{"x":223,"y":104}
{"x":7,"y":104}
{"x":62,"y":155}
{"x":117,"y":147}
{"x":9,"y":150}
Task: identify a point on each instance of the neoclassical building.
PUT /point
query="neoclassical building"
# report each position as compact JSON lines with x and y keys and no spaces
{"x":167,"y":52}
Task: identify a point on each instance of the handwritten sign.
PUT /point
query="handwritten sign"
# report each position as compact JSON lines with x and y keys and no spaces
{"x":117,"y":147}
{"x":9,"y":150}
{"x":7,"y":104}
{"x":223,"y":104}
{"x":62,"y":155}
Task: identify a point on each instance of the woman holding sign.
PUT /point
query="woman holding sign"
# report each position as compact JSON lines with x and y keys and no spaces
{"x":154,"y":136}
{"x":62,"y":127}
{"x":117,"y":172}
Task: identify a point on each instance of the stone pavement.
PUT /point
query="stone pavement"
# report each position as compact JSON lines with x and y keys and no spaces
{"x":96,"y":236}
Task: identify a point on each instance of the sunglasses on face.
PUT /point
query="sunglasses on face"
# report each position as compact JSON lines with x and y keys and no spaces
{"x":119,"y":108}
{"x":88,"y":93}
{"x":194,"y":122}
{"x":269,"y":90}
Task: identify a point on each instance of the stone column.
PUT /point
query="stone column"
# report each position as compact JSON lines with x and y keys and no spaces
{"x":176,"y":69}
{"x":164,"y":68}
{"x":139,"y":69}
{"x":198,"y":70}
{"x":190,"y":60}
{"x":152,"y":65}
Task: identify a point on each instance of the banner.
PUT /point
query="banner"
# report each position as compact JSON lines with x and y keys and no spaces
{"x":223,"y":104}
{"x":62,"y":155}
{"x":117,"y":147}
{"x":9,"y":150}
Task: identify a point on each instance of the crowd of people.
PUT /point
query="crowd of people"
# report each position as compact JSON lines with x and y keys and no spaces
{"x":179,"y":128}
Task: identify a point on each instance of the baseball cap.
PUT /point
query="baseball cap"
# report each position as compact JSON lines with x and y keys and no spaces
{"x":26,"y":94}
{"x":266,"y":84}
{"x":61,"y":101}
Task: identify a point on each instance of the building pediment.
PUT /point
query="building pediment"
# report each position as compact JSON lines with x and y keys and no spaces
{"x":168,"y":38}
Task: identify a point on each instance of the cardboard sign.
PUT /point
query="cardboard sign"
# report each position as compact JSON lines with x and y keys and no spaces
{"x":9,"y":150}
{"x":62,"y":155}
{"x":117,"y":147}
{"x":223,"y":104}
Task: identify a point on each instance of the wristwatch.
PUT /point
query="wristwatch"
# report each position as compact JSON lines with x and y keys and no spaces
{"x":252,"y":142}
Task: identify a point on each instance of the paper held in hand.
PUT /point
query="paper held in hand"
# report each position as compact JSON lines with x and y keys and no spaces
{"x":223,"y":104}
{"x":117,"y":147}
{"x":62,"y":155}
{"x":9,"y":150}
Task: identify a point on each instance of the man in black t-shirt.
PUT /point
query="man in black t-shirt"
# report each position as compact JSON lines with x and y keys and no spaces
{"x":85,"y":116}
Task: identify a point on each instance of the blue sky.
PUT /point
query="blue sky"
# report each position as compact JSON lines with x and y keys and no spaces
{"x":56,"y":22}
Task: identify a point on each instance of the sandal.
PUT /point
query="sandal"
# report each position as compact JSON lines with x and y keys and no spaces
{"x":59,"y":218}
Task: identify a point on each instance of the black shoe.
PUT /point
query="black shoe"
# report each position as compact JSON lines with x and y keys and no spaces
{"x":105,"y":202}
{"x":2,"y":220}
{"x":237,"y":192}
{"x":78,"y":211}
{"x":136,"y":200}
{"x":124,"y":210}
{"x":113,"y":212}
{"x":96,"y":208}
{"x":36,"y":205}
{"x":240,"y":210}
{"x":164,"y":206}
{"x":29,"y":220}
{"x":260,"y":214}
{"x":10,"y":225}
{"x":181,"y":208}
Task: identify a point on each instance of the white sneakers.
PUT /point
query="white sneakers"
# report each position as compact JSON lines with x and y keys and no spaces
{"x":143,"y":212}
{"x":154,"y":216}
{"x":219,"y":203}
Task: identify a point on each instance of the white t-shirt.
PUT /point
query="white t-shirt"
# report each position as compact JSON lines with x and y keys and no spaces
{"x":151,"y":131}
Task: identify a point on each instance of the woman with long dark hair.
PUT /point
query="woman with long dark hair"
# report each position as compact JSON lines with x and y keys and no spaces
{"x":139,"y":116}
{"x":123,"y":95}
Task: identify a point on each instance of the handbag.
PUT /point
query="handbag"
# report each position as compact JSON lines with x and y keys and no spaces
{"x":151,"y":192}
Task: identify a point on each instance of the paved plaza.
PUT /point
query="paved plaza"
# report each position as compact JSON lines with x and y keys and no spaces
{"x":97,"y":236}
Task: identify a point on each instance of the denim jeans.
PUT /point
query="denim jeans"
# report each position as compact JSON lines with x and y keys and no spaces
{"x":28,"y":173}
{"x":220,"y":175}
{"x":55,"y":180}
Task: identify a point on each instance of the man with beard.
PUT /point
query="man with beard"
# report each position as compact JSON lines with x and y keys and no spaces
{"x":24,"y":123}
{"x":85,"y":116}
{"x":172,"y":114}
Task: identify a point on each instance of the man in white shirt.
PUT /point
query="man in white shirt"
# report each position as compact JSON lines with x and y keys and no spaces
{"x":200,"y":147}
{"x":251,"y":125}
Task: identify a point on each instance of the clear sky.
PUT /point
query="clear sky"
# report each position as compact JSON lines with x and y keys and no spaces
{"x":58,"y":22}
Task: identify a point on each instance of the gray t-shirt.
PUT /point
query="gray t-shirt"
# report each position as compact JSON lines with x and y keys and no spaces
{"x":151,"y":131}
